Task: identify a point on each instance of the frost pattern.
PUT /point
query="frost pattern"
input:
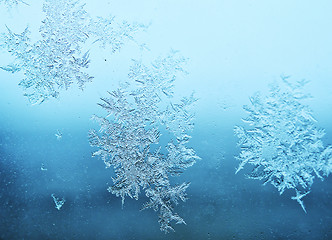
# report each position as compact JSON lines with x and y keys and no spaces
{"x":282,"y":142}
{"x":57,"y":60}
{"x":129,"y":137}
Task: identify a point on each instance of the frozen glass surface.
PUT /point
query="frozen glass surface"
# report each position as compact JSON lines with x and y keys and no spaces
{"x":214,"y":117}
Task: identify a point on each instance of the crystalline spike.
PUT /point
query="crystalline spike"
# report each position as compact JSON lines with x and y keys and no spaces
{"x":298,"y":198}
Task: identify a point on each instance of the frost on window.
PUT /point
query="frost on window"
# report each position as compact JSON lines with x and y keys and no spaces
{"x":129,"y":138}
{"x":57,"y":60}
{"x":282,"y":142}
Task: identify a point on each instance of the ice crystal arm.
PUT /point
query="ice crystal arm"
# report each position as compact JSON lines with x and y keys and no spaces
{"x":180,"y":156}
{"x":325,"y":163}
{"x":129,"y":137}
{"x":299,"y":197}
{"x":17,"y":44}
{"x":111,"y":34}
{"x":282,"y":142}
{"x":12,"y":3}
{"x":177,"y":117}
{"x":162,"y":199}
{"x":11,"y":68}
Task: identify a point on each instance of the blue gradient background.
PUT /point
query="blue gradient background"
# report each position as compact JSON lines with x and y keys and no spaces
{"x":235,"y":49}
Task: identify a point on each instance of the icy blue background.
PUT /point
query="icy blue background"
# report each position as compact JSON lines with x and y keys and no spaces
{"x":235,"y":48}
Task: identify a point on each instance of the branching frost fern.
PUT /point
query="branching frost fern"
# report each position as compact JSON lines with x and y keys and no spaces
{"x":129,"y":137}
{"x":56,"y":61}
{"x":282,"y":142}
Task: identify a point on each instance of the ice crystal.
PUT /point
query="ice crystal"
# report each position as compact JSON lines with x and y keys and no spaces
{"x":58,"y":135}
{"x":109,"y":33}
{"x":58,"y":203}
{"x":11,"y":3}
{"x":43,"y":168}
{"x":283,"y":143}
{"x":57,"y":60}
{"x":129,"y":137}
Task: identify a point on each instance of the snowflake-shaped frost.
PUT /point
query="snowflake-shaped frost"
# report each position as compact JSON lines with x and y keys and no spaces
{"x":56,"y":61}
{"x":129,"y":137}
{"x":283,"y":143}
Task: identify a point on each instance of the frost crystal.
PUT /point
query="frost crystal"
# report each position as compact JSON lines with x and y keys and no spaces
{"x":282,"y":142}
{"x":112,"y":34}
{"x":129,"y":137}
{"x":58,"y":135}
{"x":58,"y":203}
{"x":57,"y":60}
{"x":11,"y":3}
